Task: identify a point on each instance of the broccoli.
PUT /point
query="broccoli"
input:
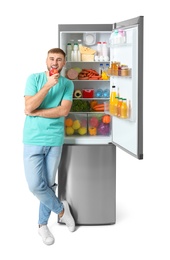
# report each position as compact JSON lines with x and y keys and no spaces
{"x":80,"y":106}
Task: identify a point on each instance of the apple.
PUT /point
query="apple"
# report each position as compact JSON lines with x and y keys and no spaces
{"x":53,"y":71}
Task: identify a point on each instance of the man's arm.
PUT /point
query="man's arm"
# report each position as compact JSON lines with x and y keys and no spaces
{"x":32,"y":102}
{"x":55,"y":112}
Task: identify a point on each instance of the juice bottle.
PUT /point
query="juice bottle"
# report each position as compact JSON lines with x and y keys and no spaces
{"x":115,"y":105}
{"x":119,"y":106}
{"x":123,"y":109}
{"x":112,"y":99}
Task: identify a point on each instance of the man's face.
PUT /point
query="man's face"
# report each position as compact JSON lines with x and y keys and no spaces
{"x":55,"y":60}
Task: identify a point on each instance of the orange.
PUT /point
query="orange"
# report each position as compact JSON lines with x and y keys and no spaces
{"x":68,"y":122}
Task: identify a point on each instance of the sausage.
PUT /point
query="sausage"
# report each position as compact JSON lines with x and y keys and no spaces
{"x":72,"y":74}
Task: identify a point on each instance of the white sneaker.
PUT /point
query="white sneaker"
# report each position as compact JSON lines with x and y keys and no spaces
{"x":46,"y":235}
{"x":67,"y":217}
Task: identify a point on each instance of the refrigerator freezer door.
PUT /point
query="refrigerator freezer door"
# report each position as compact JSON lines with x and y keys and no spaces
{"x":128,"y":133}
{"x":87,"y":180}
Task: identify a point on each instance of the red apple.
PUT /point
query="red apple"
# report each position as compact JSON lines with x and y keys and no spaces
{"x":53,"y":71}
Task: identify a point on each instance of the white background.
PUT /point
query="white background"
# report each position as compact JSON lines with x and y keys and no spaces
{"x":142,"y":230}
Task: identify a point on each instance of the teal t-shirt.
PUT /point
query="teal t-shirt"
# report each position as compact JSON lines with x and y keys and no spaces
{"x":40,"y":130}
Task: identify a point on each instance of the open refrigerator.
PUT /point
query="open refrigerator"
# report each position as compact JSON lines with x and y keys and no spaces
{"x":87,"y":171}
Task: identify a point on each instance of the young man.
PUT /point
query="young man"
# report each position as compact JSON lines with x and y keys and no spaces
{"x":48,"y":100}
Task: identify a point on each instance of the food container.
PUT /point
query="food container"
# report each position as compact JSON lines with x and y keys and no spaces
{"x":76,"y":125}
{"x":124,"y":71}
{"x":88,"y":93}
{"x":97,"y":125}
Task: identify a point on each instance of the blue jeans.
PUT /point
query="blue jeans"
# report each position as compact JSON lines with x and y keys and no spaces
{"x":41,"y":165}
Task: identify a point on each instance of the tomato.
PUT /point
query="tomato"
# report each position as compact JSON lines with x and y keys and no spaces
{"x":53,"y":71}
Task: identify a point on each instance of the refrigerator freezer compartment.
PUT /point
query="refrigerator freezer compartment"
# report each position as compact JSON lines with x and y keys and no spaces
{"x":87,"y":180}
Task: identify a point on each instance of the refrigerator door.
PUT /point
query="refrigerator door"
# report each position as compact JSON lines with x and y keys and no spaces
{"x":128,"y":133}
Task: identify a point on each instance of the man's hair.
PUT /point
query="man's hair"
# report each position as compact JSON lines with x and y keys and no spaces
{"x":57,"y":50}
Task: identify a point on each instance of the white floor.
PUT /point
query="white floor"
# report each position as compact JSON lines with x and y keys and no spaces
{"x":141,"y":231}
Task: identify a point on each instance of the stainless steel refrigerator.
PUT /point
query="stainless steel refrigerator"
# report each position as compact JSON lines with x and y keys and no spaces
{"x":87,"y":172}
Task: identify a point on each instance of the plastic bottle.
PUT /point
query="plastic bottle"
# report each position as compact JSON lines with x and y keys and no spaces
{"x":69,"y":49}
{"x":99,"y":93}
{"x":101,"y":68}
{"x":112,"y":99}
{"x":104,"y":49}
{"x":119,"y":106}
{"x":99,"y":49}
{"x":106,"y":93}
{"x":75,"y":52}
{"x":115,"y":106}
{"x":79,"y":43}
{"x":123,"y":109}
{"x":78,"y":56}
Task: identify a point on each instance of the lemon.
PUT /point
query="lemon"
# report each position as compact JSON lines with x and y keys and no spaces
{"x":69,"y":130}
{"x":82,"y":130}
{"x":76,"y":124}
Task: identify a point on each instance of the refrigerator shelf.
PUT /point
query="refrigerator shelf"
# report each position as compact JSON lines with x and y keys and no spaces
{"x":80,"y":80}
{"x":94,"y":98}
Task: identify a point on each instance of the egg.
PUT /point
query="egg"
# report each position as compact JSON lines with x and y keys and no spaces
{"x":96,"y":58}
{"x":106,"y":58}
{"x":101,"y":58}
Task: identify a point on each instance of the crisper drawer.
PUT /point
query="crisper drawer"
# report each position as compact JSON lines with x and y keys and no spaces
{"x":88,"y":124}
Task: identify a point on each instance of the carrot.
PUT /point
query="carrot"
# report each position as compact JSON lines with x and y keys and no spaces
{"x":99,"y":105}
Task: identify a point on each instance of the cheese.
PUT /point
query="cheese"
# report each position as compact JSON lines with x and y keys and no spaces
{"x":87,"y":57}
{"x":86,"y":50}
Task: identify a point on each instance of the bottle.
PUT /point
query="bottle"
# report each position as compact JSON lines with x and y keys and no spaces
{"x":101,"y":68}
{"x":75,"y":49}
{"x":106,"y":93}
{"x":72,"y":55}
{"x":69,"y":49}
{"x":78,"y":56}
{"x":104,"y":49}
{"x":119,"y":106}
{"x":123,"y":109}
{"x":79,"y":43}
{"x":107,"y":66}
{"x":98,"y":93}
{"x":99,"y":49}
{"x":112,"y":99}
{"x":115,"y":105}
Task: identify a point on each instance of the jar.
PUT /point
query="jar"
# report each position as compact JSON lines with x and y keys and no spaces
{"x":124,"y":71}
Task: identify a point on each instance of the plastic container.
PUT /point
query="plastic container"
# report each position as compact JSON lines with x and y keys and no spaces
{"x":76,"y":124}
{"x":88,"y":93}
